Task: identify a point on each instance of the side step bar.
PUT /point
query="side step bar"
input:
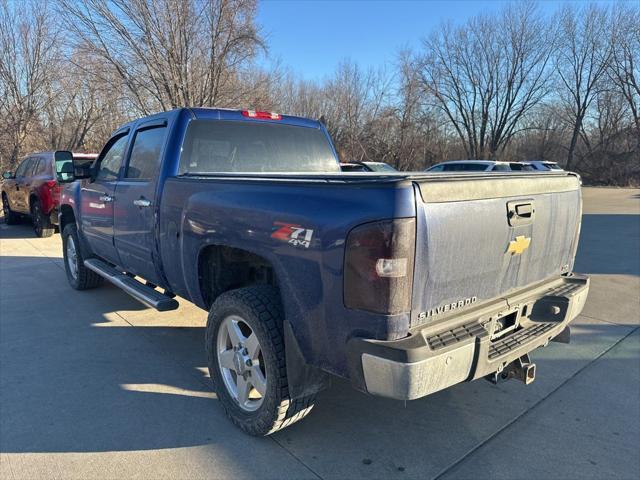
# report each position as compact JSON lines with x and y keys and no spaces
{"x":147,"y":295}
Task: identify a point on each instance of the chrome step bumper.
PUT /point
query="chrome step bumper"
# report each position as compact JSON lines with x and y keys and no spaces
{"x":467,"y":347}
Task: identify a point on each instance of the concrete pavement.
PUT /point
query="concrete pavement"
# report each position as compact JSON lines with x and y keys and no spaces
{"x":94,"y":385}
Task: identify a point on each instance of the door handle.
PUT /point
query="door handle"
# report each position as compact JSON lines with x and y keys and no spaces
{"x":142,"y":202}
{"x":106,"y":198}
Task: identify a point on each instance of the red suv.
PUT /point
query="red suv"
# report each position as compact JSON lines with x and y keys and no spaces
{"x":34,"y":190}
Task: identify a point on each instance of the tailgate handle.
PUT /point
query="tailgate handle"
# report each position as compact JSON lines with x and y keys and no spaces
{"x":524,"y":210}
{"x":520,"y":212}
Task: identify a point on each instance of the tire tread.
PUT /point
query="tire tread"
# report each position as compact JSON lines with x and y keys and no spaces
{"x":13,"y":218}
{"x":264,"y":302}
{"x":87,"y":279}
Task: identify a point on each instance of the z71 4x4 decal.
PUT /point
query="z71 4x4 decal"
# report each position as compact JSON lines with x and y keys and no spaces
{"x":293,"y":234}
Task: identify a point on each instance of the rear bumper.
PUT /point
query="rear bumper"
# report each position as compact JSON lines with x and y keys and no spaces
{"x":461,"y":348}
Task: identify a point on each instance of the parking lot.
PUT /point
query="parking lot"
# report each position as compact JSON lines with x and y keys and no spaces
{"x":95,"y":385}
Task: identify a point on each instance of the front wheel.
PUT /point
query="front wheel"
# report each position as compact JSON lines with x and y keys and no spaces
{"x":246,"y":359}
{"x":79,"y":276}
{"x":10,"y":217}
{"x":41,"y":222}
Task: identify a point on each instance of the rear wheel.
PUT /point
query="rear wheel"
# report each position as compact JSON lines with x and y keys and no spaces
{"x":246,"y":357}
{"x":79,"y":276}
{"x":41,"y":222}
{"x":10,"y":217}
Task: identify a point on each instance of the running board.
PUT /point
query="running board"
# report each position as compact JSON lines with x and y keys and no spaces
{"x":147,"y":295}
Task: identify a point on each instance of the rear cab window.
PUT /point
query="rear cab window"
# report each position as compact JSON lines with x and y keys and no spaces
{"x":220,"y":146}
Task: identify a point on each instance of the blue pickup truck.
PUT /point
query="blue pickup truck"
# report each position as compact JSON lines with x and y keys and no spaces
{"x":403,"y":283}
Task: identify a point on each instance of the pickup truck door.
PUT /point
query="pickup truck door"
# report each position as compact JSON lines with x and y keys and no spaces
{"x":17,"y":193}
{"x":97,"y":199}
{"x":135,"y":201}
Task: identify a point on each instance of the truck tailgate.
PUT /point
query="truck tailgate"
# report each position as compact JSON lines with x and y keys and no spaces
{"x":479,"y":238}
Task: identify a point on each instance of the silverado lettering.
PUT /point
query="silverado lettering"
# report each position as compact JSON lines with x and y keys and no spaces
{"x":445,"y":308}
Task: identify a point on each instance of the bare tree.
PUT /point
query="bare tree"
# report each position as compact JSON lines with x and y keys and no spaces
{"x":28,"y":55}
{"x":355,"y":97}
{"x":582,"y":58}
{"x":624,"y":64}
{"x":168,"y":53}
{"x":516,"y":85}
{"x":76,"y":104}
{"x":488,"y":74}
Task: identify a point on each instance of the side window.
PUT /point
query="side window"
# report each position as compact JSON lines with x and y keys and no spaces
{"x":112,"y":160}
{"x":25,"y":166}
{"x":41,"y":167}
{"x":144,"y":161}
{"x":438,"y":168}
{"x":45,"y":167}
{"x":35,"y":167}
{"x":473,"y":167}
{"x":500,"y":167}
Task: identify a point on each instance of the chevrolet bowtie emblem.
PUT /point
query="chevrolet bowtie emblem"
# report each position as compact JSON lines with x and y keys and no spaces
{"x":519,"y":245}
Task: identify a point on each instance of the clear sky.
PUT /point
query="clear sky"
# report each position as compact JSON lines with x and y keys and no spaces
{"x":312,"y":36}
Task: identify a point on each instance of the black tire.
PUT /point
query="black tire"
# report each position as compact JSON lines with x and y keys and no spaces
{"x":10,"y":217}
{"x":83,"y":278}
{"x":261,"y":309}
{"x":41,"y":222}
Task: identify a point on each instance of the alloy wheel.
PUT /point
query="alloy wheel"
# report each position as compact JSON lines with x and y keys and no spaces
{"x":72,"y":257}
{"x":241,"y":363}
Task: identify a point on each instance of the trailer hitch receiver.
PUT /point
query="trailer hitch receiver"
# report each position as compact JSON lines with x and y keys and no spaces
{"x":521,"y":369}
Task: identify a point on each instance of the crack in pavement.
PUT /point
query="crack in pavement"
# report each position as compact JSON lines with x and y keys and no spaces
{"x":507,"y":425}
{"x":317,"y":475}
{"x":608,"y":321}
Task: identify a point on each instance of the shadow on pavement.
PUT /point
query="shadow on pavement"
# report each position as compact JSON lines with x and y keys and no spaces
{"x":24,"y":229}
{"x":76,"y":376}
{"x":609,"y":244}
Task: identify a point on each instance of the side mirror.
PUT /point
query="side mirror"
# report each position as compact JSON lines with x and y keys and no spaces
{"x":64,"y":167}
{"x":7,"y":175}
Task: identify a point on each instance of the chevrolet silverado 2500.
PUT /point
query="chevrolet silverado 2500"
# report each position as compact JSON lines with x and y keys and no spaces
{"x":403,"y":283}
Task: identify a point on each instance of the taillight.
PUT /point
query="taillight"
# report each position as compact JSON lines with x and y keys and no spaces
{"x":54,"y":191}
{"x":378,"y":266}
{"x":261,"y":115}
